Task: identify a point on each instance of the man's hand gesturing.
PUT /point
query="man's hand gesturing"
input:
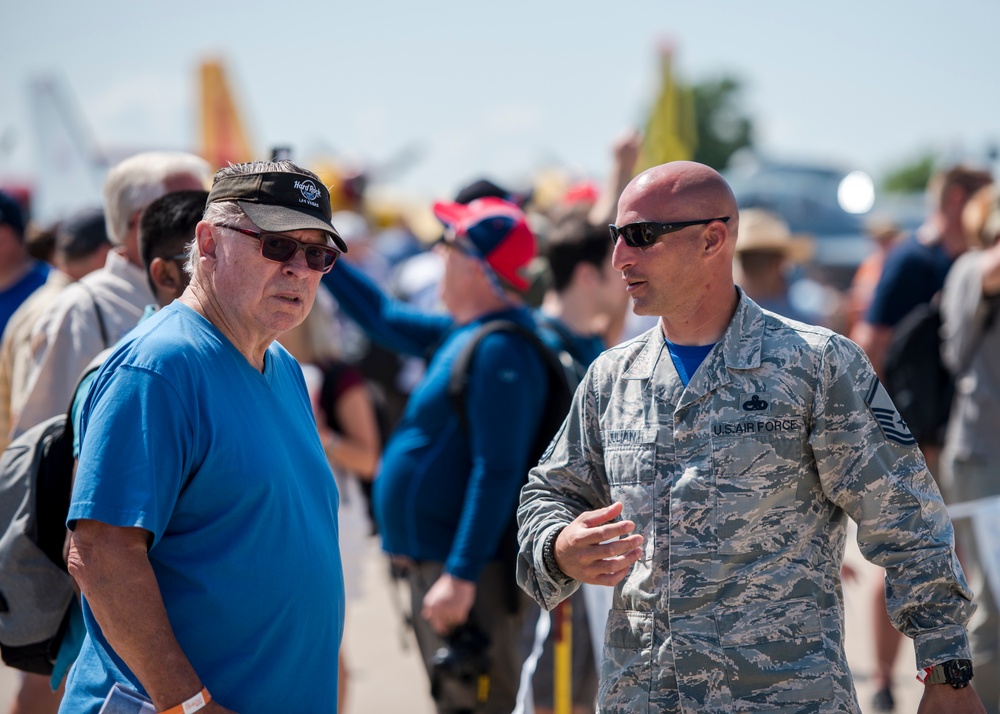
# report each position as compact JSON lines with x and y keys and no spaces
{"x":583,"y":555}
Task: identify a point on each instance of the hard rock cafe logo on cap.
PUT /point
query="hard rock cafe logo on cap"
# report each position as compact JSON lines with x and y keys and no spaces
{"x":308,"y":190}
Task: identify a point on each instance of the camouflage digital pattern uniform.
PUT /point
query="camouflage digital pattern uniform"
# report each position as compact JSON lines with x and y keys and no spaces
{"x":741,"y":485}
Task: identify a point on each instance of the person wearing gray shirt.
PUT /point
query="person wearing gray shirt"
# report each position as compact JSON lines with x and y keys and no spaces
{"x":970,"y":463}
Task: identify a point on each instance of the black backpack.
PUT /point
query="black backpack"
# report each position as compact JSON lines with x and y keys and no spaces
{"x":563,"y":372}
{"x":920,"y":385}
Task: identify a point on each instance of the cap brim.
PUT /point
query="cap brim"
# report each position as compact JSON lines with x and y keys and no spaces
{"x":280,"y":219}
{"x":449,"y":213}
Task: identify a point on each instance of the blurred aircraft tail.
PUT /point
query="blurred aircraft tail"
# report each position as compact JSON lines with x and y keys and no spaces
{"x":223,"y":135}
{"x":671,"y":133}
{"x":70,"y":167}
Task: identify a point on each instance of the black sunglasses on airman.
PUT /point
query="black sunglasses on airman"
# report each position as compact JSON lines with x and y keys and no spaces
{"x":281,"y":249}
{"x":643,"y":235}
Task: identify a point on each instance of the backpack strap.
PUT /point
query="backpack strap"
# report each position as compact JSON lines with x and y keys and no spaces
{"x":100,"y":315}
{"x":92,"y":366}
{"x":457,"y":386}
{"x":559,"y":329}
{"x":460,"y":369}
{"x":567,"y":357}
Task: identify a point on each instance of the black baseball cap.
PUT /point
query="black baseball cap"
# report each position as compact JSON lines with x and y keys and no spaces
{"x":82,"y":234}
{"x":484,"y":188}
{"x":280,"y":201}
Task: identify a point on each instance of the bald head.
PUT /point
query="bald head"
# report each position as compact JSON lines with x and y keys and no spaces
{"x":686,"y":275}
{"x":678,"y":191}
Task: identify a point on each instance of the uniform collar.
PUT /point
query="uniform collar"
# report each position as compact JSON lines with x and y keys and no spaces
{"x":739,"y":349}
{"x":741,"y":343}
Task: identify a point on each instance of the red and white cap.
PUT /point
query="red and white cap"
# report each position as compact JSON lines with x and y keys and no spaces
{"x":497,"y":230}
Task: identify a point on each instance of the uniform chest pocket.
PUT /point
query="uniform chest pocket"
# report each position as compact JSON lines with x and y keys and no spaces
{"x":757,"y":491}
{"x":630,"y":455}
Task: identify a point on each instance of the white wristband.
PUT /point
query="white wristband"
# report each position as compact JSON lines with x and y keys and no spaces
{"x":195,"y":704}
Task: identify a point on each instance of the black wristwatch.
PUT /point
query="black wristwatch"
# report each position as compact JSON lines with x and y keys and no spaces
{"x":549,"y":555}
{"x":956,"y":672}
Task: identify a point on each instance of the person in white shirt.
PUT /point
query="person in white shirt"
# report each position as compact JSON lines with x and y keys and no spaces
{"x":95,"y":312}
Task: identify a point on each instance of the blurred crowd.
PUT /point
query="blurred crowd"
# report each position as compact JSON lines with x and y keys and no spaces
{"x":70,"y":290}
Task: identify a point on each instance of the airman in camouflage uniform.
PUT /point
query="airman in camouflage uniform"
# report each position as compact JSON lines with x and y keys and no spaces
{"x":734,"y":493}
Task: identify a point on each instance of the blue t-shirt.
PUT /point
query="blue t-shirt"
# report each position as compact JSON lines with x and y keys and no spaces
{"x":83,"y":388}
{"x":687,"y":358}
{"x":223,"y":465}
{"x":12,"y":297}
{"x":444,"y":494}
{"x":913,"y":272}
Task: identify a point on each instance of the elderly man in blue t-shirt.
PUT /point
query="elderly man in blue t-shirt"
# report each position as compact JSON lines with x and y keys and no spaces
{"x":204,"y":513}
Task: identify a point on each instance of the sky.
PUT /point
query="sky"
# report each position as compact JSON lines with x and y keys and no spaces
{"x":504,"y":89}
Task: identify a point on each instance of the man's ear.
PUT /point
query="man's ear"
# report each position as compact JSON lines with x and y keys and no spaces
{"x":204,"y":234}
{"x":166,"y":275}
{"x":715,"y":237}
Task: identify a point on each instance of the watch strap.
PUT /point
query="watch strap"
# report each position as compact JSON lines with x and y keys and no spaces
{"x":549,"y":555}
{"x":933,"y":675}
{"x":956,"y":672}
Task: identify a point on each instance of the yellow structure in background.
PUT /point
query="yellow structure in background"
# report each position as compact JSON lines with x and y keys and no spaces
{"x":562,"y":651}
{"x":223,"y":135}
{"x":671,"y":133}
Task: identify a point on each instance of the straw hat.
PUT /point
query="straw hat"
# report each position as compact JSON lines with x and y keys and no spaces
{"x":990,"y":232}
{"x":763,"y":230}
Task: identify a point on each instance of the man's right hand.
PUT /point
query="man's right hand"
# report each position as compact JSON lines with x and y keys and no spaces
{"x":582,"y":553}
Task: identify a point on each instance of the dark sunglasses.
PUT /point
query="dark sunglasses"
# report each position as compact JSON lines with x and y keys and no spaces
{"x":449,"y":241}
{"x":280,"y":248}
{"x":643,"y":235}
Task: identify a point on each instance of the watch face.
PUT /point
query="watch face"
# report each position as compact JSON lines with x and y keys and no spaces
{"x":958,"y":671}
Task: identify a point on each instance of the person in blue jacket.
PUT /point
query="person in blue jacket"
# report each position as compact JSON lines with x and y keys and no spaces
{"x":447,"y":492}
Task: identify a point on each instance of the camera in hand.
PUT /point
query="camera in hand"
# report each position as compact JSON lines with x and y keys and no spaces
{"x":462,"y":661}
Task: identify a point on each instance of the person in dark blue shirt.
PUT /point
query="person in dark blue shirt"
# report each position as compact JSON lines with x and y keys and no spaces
{"x":913,"y":273}
{"x":446,"y":494}
{"x":20,"y":274}
{"x":915,"y":269}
